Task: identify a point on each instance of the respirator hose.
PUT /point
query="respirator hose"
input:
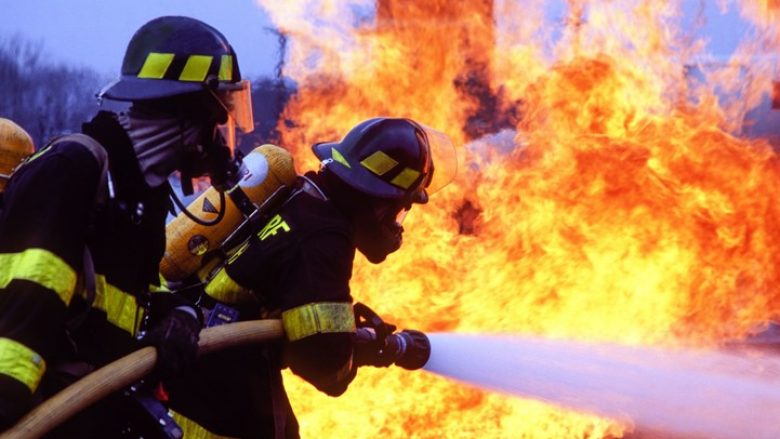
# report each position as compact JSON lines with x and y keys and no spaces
{"x":215,"y":221}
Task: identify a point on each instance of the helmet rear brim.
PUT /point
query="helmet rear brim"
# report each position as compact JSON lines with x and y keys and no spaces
{"x":323,"y":150}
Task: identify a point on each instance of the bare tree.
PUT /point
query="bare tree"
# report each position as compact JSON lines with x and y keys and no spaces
{"x":45,"y":98}
{"x":49,"y":99}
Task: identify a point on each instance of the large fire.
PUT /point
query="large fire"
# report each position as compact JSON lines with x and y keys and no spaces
{"x":603,"y":193}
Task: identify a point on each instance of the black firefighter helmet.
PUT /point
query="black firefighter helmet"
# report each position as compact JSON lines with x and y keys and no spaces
{"x":174,"y":56}
{"x":391,"y":158}
{"x":169,"y":56}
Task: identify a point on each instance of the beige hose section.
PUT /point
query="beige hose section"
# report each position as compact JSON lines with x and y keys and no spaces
{"x":129,"y":369}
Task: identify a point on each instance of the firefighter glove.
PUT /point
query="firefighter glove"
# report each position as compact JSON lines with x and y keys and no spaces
{"x":176,"y":338}
{"x":408,"y":349}
{"x":375,"y":343}
{"x":368,"y":351}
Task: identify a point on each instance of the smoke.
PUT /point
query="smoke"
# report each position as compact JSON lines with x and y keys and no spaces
{"x":718,"y":395}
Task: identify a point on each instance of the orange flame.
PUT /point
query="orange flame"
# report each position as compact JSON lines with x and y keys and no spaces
{"x":605,"y":195}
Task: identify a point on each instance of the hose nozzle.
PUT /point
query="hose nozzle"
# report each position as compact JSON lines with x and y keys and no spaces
{"x":377,"y":344}
{"x":413,"y":348}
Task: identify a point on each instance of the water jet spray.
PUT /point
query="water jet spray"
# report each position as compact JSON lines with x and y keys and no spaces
{"x":712,"y":394}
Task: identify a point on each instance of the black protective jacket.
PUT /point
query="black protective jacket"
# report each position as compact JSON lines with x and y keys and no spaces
{"x":49,"y":215}
{"x":301,"y":259}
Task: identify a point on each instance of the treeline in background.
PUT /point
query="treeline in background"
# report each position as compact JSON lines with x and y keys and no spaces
{"x":48,"y":98}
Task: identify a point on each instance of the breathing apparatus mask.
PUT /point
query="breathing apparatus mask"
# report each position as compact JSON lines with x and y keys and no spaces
{"x":380,"y":228}
{"x":215,"y":153}
{"x":229,"y":109}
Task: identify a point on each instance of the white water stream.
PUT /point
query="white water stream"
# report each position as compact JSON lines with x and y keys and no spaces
{"x":714,"y":395}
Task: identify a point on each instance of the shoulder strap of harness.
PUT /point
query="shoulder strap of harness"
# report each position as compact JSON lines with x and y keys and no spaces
{"x":231,"y":245}
{"x":100,"y":154}
{"x":101,"y":196}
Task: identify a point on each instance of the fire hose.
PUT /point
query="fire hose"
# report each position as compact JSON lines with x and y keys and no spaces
{"x":129,"y":369}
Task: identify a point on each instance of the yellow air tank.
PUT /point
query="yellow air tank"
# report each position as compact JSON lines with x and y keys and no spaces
{"x":265,"y":169}
{"x":15,"y":145}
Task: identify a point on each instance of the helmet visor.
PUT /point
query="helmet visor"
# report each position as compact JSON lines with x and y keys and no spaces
{"x":443,"y":157}
{"x":238,"y":103}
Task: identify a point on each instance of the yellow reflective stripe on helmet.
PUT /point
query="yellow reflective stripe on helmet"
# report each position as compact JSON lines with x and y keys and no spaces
{"x":42,"y":267}
{"x":197,"y":68}
{"x":120,"y":307}
{"x":226,"y":68}
{"x":379,"y":163}
{"x":338,"y":157}
{"x":406,"y":178}
{"x":318,"y":318}
{"x":156,"y":65}
{"x":225,"y":289}
{"x":21,"y":363}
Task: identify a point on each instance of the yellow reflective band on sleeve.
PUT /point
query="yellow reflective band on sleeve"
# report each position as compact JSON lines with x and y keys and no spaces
{"x":120,"y":307}
{"x":42,"y":267}
{"x":155,"y":66}
{"x":21,"y":363}
{"x":196,"y":69}
{"x":406,"y":178}
{"x":379,"y":163}
{"x":225,"y":289}
{"x":318,"y":318}
{"x":192,"y":430}
{"x":226,"y":68}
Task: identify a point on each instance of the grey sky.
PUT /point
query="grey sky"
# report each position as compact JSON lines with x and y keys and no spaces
{"x":94,"y":33}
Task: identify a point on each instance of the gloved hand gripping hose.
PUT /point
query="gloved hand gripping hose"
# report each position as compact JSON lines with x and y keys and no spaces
{"x":171,"y":324}
{"x":176,"y":339}
{"x":129,"y":369}
{"x":375,"y":344}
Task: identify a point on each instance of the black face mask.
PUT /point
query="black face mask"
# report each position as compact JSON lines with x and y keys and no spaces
{"x":210,"y":155}
{"x":379,"y":230}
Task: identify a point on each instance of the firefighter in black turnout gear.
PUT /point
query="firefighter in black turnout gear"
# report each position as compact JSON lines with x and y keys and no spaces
{"x":297,"y":267}
{"x":83,"y":228}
